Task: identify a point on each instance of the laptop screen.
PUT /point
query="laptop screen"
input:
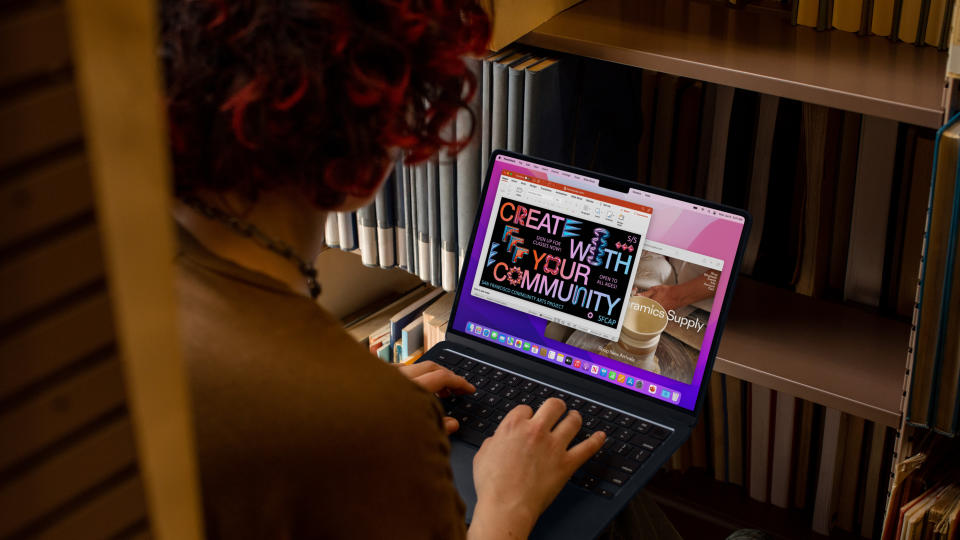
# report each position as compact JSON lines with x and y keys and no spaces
{"x":623,"y":287}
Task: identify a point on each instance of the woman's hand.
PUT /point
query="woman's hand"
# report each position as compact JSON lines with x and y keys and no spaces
{"x":440,"y":381}
{"x":524,"y":465}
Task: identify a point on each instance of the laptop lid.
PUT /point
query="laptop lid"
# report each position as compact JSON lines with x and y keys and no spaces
{"x":607,"y":279}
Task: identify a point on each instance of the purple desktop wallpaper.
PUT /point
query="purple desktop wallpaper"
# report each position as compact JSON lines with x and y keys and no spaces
{"x":670,"y":224}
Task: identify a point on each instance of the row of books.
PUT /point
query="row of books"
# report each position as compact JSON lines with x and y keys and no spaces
{"x":398,"y":332}
{"x":921,"y":22}
{"x":819,"y":182}
{"x":793,"y":454}
{"x":422,"y":219}
{"x":838,"y":198}
{"x":935,"y":378}
{"x":924,"y":500}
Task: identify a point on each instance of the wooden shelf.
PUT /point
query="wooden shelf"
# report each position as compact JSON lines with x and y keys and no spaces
{"x":757,"y":51}
{"x":836,"y":355}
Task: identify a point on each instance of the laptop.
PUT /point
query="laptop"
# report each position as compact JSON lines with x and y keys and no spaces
{"x":608,"y":294}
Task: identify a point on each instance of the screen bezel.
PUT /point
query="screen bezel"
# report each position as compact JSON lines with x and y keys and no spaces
{"x":621,"y":185}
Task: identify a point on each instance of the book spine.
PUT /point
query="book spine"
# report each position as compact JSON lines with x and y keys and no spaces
{"x":367,"y":234}
{"x":878,"y":145}
{"x":486,"y":113}
{"x":386,"y":235}
{"x":499,"y":92}
{"x":866,"y":18}
{"x":331,"y":232}
{"x":347,"y":223}
{"x":515,"y":78}
{"x":410,"y":239}
{"x":782,"y":450}
{"x":469,"y":164}
{"x":760,"y":399}
{"x":400,"y":215}
{"x":718,"y":148}
{"x":830,"y":448}
{"x":421,"y":204}
{"x":447,"y":197}
{"x":433,"y":217}
{"x":760,"y":179}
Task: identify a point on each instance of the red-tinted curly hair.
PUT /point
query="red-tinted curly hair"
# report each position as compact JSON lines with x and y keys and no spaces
{"x":312,"y":93}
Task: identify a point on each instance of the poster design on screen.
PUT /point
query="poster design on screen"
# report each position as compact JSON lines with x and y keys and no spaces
{"x":669,"y":306}
{"x":577,"y":268}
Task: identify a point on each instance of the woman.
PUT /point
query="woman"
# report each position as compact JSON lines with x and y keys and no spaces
{"x":281,"y":111}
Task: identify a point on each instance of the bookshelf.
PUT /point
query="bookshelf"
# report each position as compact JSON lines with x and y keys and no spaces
{"x":758,"y":51}
{"x":837,"y":355}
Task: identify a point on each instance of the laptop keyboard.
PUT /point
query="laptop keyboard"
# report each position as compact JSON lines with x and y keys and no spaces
{"x":630,"y":439}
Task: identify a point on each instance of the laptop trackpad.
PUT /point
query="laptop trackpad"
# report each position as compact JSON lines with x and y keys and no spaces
{"x":574,"y":514}
{"x":461,"y":462}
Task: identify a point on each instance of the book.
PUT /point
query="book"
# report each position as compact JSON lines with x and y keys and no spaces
{"x":934,"y":27}
{"x":410,"y":196}
{"x":515,"y":97}
{"x":411,"y":340}
{"x":486,"y":109}
{"x":736,"y":430}
{"x":850,"y":473}
{"x":760,"y":175}
{"x":412,"y":311}
{"x":663,"y":131}
{"x":707,"y":115}
{"x":400,"y":216}
{"x":875,"y":473}
{"x":783,"y":446}
{"x":915,"y":185}
{"x":740,"y":146}
{"x":825,"y":14}
{"x":878,"y":144}
{"x":379,"y":318}
{"x":831,"y":450}
{"x":909,"y":22}
{"x":421,"y":203}
{"x":847,"y":15}
{"x":548,"y":98}
{"x":718,"y":430}
{"x":347,"y":224}
{"x":447,"y":197}
{"x":684,"y":159}
{"x":818,"y":136}
{"x":806,"y":12}
{"x":433,"y":220}
{"x":843,"y":207}
{"x":718,"y":146}
{"x":866,"y":17}
{"x":760,"y":401}
{"x":500,"y":100}
{"x":881,"y":23}
{"x":469,"y":162}
{"x":434,"y":318}
{"x":331,"y":232}
{"x":367,"y":234}
{"x":385,"y":208}
{"x":944,"y":401}
{"x":781,"y":237}
{"x":940,"y":213}
{"x":514,"y":19}
{"x":807,"y":439}
{"x":648,"y":101}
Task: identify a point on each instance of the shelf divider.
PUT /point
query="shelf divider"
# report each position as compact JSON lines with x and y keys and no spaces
{"x":837,"y":355}
{"x":758,"y":51}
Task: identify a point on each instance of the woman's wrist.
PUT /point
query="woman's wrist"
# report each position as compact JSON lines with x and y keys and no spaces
{"x":493,"y":520}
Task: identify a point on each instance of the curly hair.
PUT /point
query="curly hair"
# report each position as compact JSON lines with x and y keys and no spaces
{"x":315,"y":94}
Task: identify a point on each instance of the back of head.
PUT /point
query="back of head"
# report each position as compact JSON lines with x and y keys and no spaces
{"x":319,"y":95}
